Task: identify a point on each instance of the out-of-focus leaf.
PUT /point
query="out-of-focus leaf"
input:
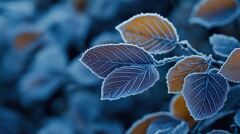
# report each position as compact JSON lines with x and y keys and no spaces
{"x":176,"y":75}
{"x":105,"y":10}
{"x":218,"y":132}
{"x":232,"y":99}
{"x":106,"y":38}
{"x":237,"y":118}
{"x":12,"y":122}
{"x":64,"y":26}
{"x":104,"y":128}
{"x":141,"y":126}
{"x":25,"y":38}
{"x":84,"y":107}
{"x":159,"y":122}
{"x":103,"y":59}
{"x":223,"y":45}
{"x":38,"y":86}
{"x":179,"y":109}
{"x":205,"y":124}
{"x":213,"y":13}
{"x":126,"y":81}
{"x":167,"y":124}
{"x":57,"y":126}
{"x":151,"y":31}
{"x":50,"y":59}
{"x":205,"y":94}
{"x":17,"y":10}
{"x":77,"y":70}
{"x":231,"y":68}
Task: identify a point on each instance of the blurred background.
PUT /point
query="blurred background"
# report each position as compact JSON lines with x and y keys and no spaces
{"x":44,"y":89}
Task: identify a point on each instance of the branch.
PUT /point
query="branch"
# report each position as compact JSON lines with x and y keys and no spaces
{"x":186,"y":46}
{"x":169,"y":60}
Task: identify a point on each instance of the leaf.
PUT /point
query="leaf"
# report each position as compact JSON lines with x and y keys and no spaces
{"x":84,"y":107}
{"x":233,"y":99}
{"x":51,"y":58}
{"x":214,"y":120}
{"x":214,"y":13}
{"x":128,"y":80}
{"x":56,"y":125}
{"x":36,"y":86}
{"x":176,"y":75}
{"x":151,"y":31}
{"x":179,"y":109}
{"x":140,"y":126}
{"x":148,"y":122}
{"x":231,"y":68}
{"x":76,"y":71}
{"x":103,"y":59}
{"x":167,"y":124}
{"x":237,"y":119}
{"x":25,"y":38}
{"x":205,"y":94}
{"x":219,"y":132}
{"x":223,"y":45}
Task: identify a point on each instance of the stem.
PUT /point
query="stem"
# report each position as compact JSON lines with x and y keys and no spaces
{"x":186,"y":46}
{"x":217,"y":62}
{"x":168,"y":60}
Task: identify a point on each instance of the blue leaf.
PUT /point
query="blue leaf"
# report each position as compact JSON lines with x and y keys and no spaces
{"x":50,"y":59}
{"x":167,"y":124}
{"x":233,"y":99}
{"x":105,"y":38}
{"x":57,"y":126}
{"x":218,"y":132}
{"x":104,"y":128}
{"x":223,"y":45}
{"x":77,"y":70}
{"x":215,"y":119}
{"x":205,"y":94}
{"x":84,"y":107}
{"x":38,"y":86}
{"x":103,"y":59}
{"x":126,"y":81}
{"x":12,"y":122}
{"x":212,"y":13}
{"x":237,"y":118}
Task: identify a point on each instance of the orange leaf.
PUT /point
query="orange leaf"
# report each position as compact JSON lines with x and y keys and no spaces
{"x":231,"y":68}
{"x":150,"y":31}
{"x":141,"y":126}
{"x":179,"y":109}
{"x":176,"y":75}
{"x":23,"y":39}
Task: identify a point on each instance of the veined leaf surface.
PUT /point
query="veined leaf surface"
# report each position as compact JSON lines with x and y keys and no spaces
{"x":103,"y":59}
{"x":231,"y":68}
{"x":205,"y":94}
{"x":128,"y":80}
{"x":176,"y":75}
{"x":151,"y":31}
